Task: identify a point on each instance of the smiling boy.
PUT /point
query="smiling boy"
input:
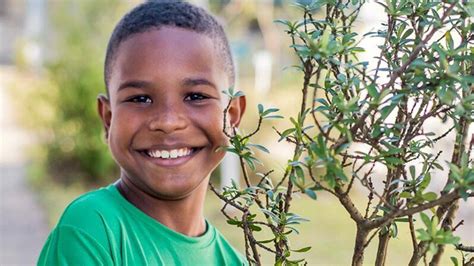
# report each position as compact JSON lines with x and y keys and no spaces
{"x":166,"y":65}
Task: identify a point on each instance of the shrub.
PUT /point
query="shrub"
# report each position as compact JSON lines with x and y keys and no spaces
{"x":424,"y":74}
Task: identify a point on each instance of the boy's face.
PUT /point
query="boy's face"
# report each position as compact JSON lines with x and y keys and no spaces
{"x":164,"y":117}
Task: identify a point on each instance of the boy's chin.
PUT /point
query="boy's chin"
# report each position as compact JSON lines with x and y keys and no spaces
{"x":166,"y":186}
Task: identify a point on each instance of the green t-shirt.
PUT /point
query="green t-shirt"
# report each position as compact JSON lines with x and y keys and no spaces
{"x":103,"y":228}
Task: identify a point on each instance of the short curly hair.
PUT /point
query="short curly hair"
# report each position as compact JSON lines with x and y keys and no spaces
{"x":154,"y":14}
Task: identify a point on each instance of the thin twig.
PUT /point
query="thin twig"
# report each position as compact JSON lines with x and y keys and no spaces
{"x":465,"y":248}
{"x":240,"y":208}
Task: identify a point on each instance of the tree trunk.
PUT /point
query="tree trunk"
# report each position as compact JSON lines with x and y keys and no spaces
{"x":416,"y":257}
{"x":382,"y":249}
{"x":447,"y":225}
{"x":361,"y":239}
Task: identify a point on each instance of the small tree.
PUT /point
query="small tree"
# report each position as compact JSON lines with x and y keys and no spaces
{"x":424,"y":74}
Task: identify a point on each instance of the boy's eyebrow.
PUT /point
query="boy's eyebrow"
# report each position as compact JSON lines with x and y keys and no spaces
{"x":135,"y":84}
{"x":189,"y":82}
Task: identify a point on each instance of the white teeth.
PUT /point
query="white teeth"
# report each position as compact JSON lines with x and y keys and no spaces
{"x":166,"y":154}
{"x":174,"y":154}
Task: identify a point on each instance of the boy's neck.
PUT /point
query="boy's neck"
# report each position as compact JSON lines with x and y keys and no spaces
{"x":184,"y":215}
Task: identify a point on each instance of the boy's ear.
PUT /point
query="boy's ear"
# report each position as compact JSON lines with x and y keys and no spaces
{"x":236,"y":110}
{"x":105,"y":113}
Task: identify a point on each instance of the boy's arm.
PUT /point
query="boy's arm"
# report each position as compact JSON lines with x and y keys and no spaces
{"x":68,"y":245}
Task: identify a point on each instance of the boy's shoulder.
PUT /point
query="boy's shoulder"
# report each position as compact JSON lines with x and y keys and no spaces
{"x":91,"y":208}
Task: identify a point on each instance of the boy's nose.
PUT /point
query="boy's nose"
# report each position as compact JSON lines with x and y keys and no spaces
{"x":167,"y":118}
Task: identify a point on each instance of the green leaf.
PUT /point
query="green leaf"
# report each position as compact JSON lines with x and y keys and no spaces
{"x":273,"y":216}
{"x":293,"y":262}
{"x":331,"y":182}
{"x":393,"y":160}
{"x":250,"y":163}
{"x":348,"y":37}
{"x":299,"y":172}
{"x":426,"y":181}
{"x":426,"y":220}
{"x":266,"y":241}
{"x":235,"y":184}
{"x":449,"y":40}
{"x":377,"y":130}
{"x":322,"y":101}
{"x":301,"y":250}
{"x":342,"y":147}
{"x":455,"y":171}
{"x":402,"y":220}
{"x":239,"y":94}
{"x":298,"y":177}
{"x":286,"y":133}
{"x":394,"y":230}
{"x":279,"y":262}
{"x":423,"y":235}
{"x":284,"y":22}
{"x":446,"y":95}
{"x":356,"y":49}
{"x":341,"y":77}
{"x":310,"y":193}
{"x":433,"y":248}
{"x":260,"y":147}
{"x":273,"y":117}
{"x":232,"y":93}
{"x":255,"y":228}
{"x":407,"y":33}
{"x":434,"y":224}
{"x":406,"y":194}
{"x":270,"y":110}
{"x":386,"y":111}
{"x":372,"y":90}
{"x":455,"y":261}
{"x":296,"y":124}
{"x":234,"y":222}
{"x":430,"y":196}
{"x":412,"y":171}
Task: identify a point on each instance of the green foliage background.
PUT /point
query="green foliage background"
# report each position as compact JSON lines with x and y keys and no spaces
{"x":72,"y":147}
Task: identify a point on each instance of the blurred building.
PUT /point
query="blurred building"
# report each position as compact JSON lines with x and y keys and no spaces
{"x":11,"y":24}
{"x":22,"y":30}
{"x":23,"y":227}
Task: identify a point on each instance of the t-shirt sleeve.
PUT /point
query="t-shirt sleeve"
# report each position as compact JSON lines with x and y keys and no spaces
{"x":68,"y":245}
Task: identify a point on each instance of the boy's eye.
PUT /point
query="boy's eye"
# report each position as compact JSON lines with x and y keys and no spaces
{"x":195,"y":97}
{"x":139,"y":99}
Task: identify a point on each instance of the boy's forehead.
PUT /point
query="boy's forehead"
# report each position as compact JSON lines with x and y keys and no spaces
{"x":145,"y":54}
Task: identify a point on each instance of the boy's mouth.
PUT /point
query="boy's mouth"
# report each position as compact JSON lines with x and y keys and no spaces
{"x":170,"y":154}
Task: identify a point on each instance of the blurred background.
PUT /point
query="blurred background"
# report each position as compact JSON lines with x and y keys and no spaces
{"x":52,"y":146}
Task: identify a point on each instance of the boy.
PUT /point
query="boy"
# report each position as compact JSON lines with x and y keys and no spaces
{"x":165,"y":67}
